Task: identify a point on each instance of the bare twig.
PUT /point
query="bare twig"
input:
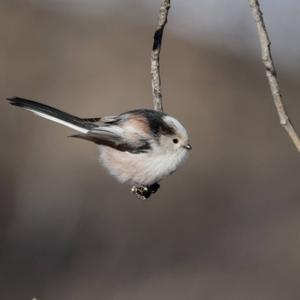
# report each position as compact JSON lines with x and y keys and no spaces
{"x":155,"y":72}
{"x":267,"y":60}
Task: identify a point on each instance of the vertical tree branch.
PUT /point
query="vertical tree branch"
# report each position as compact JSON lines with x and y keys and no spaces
{"x":268,"y":63}
{"x":157,"y":42}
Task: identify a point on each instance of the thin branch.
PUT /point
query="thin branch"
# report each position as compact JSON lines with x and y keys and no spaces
{"x":267,"y":60}
{"x":155,"y":67}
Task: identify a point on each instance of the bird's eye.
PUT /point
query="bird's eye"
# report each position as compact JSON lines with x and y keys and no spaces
{"x":175,"y":141}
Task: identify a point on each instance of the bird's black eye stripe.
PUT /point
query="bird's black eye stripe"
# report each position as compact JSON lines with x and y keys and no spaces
{"x":175,"y":141}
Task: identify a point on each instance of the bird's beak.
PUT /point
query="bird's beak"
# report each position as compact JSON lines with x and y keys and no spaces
{"x":188,"y":147}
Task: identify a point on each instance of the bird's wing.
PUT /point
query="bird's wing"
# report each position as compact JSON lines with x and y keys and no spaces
{"x":116,"y":137}
{"x":103,"y":120}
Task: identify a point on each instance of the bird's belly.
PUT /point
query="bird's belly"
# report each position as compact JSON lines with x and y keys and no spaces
{"x":142,"y":168}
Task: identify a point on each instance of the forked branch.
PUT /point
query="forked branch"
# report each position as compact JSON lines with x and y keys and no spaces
{"x":268,"y":62}
{"x":155,"y":66}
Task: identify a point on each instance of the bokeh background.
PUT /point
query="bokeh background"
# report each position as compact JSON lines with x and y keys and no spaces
{"x":226,"y":225}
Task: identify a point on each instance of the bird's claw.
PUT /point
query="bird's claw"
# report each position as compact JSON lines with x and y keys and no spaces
{"x":143,"y":192}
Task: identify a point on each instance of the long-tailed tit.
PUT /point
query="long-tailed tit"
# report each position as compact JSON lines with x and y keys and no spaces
{"x":139,"y":147}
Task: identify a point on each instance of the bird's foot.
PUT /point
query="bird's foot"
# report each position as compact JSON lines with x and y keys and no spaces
{"x":143,"y":192}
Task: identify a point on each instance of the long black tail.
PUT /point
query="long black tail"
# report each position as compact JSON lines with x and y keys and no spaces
{"x":53,"y":114}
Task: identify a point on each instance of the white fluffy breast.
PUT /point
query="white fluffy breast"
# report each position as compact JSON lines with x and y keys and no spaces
{"x":142,"y":168}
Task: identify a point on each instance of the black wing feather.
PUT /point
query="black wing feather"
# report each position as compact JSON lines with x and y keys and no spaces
{"x":115,"y":142}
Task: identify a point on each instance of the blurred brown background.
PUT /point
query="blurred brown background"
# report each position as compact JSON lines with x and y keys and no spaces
{"x":226,"y":225}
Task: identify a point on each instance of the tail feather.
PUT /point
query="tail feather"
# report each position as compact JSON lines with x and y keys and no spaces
{"x":53,"y":114}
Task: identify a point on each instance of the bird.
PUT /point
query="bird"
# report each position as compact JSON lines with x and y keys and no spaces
{"x":139,"y":147}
